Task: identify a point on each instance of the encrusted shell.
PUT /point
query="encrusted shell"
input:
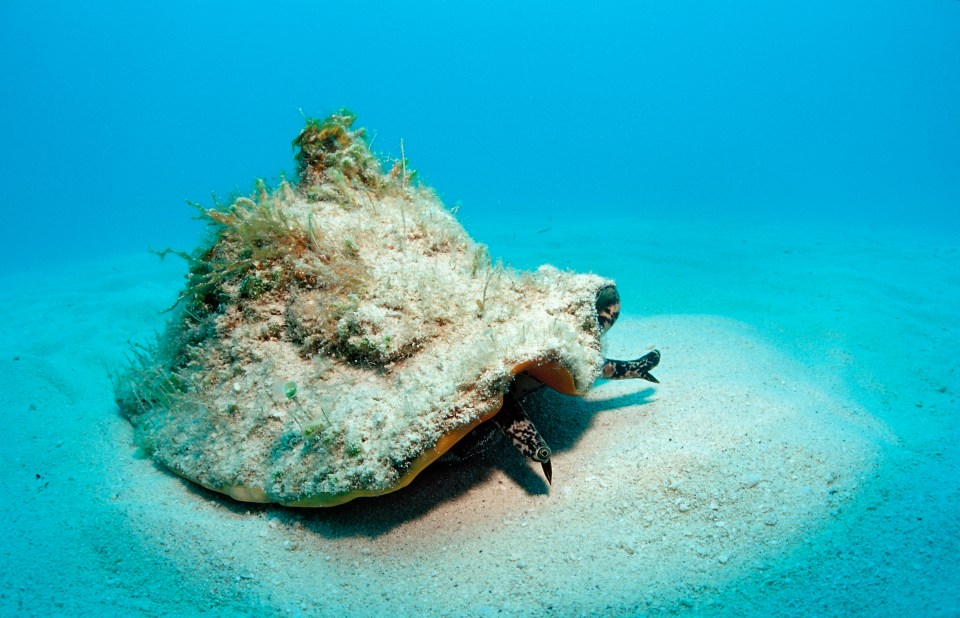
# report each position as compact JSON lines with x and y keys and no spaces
{"x":337,"y":337}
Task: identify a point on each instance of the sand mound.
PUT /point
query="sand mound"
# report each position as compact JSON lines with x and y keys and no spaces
{"x":661,"y":497}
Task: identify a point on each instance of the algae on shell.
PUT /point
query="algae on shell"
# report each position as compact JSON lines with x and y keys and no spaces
{"x":337,"y":336}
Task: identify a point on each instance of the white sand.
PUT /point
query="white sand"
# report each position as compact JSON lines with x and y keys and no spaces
{"x":799,"y":457}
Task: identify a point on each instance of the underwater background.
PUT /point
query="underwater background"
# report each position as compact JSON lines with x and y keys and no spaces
{"x":775,"y":186}
{"x":117,"y":113}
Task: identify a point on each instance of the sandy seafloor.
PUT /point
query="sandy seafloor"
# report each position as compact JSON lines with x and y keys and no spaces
{"x":800,"y":456}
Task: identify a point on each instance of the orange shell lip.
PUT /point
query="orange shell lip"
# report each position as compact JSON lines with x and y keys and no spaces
{"x":551,"y":373}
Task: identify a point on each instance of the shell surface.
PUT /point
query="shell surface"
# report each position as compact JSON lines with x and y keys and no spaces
{"x":337,"y":337}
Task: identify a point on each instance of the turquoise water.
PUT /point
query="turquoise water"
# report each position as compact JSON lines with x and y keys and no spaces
{"x":116,"y":113}
{"x":763,"y":179}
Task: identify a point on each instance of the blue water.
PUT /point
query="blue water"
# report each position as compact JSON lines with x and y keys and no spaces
{"x":115,"y":113}
{"x":636,"y":117}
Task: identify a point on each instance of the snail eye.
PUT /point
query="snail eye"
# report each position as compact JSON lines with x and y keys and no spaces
{"x":608,"y":307}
